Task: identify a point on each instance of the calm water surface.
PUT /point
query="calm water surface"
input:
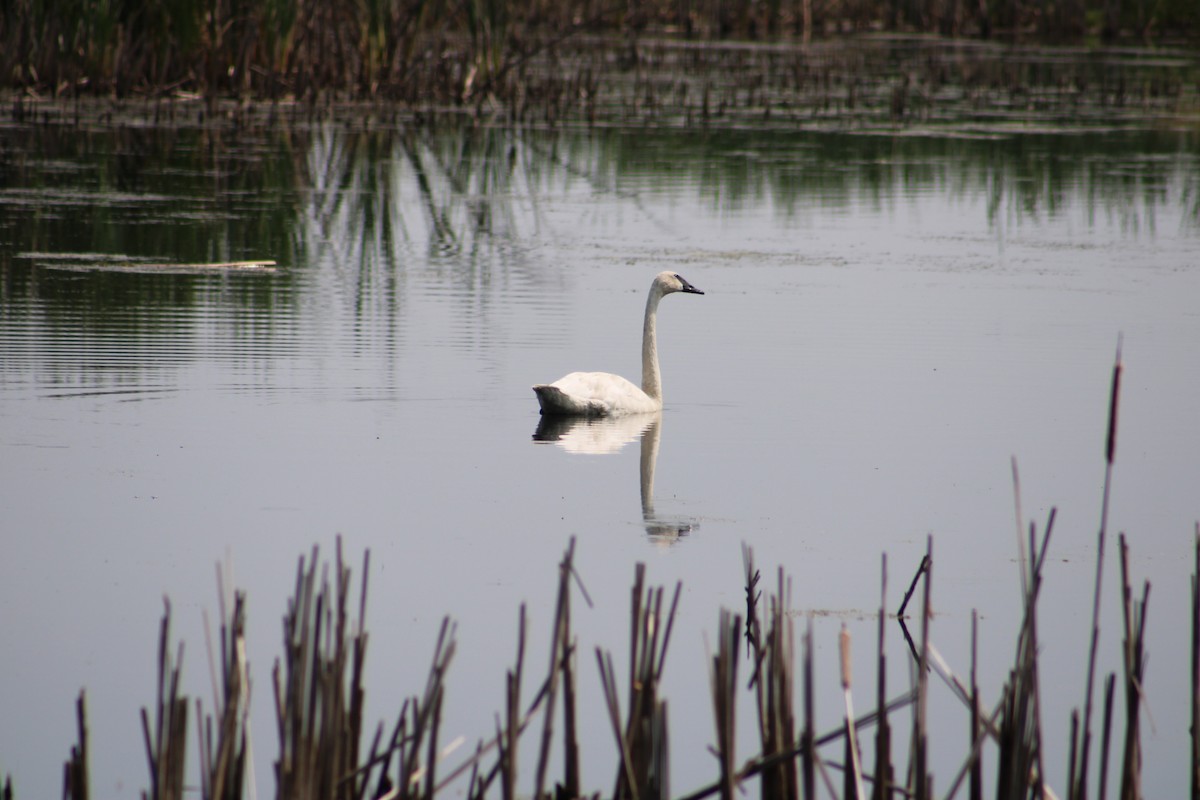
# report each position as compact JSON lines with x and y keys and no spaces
{"x":889,"y":320}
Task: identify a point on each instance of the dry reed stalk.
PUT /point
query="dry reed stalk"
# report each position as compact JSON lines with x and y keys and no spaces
{"x":988,"y":726}
{"x":641,"y":742}
{"x":223,"y":763}
{"x":781,"y":783}
{"x":1019,"y":769}
{"x":1110,"y":687}
{"x":753,"y":626}
{"x":853,"y":776}
{"x":507,"y":734}
{"x":570,"y":786}
{"x":1195,"y":771}
{"x":608,"y":683}
{"x":760,"y":765}
{"x":772,"y":679}
{"x":919,"y":779}
{"x":559,"y":656}
{"x":510,"y":734}
{"x":723,"y":679}
{"x":883,"y":731}
{"x":419,"y":719}
{"x":318,"y":687}
{"x":808,"y":737}
{"x":1133,"y":650}
{"x":976,"y":788}
{"x":75,"y":771}
{"x":922,"y":569}
{"x":1077,"y":783}
{"x":561,"y":649}
{"x":166,"y":744}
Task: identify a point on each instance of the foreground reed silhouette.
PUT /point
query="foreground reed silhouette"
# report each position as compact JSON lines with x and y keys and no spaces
{"x":319,"y":700}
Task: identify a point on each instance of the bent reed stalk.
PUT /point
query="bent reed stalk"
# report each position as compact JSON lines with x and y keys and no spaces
{"x":320,"y":697}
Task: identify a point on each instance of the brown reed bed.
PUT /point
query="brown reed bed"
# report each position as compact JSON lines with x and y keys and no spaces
{"x":320,"y":701}
{"x":532,"y":57}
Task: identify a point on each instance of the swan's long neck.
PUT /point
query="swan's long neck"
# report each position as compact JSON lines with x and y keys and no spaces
{"x":651,"y":378}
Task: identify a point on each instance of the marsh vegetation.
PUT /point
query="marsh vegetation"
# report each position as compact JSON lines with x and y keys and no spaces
{"x":472,"y":54}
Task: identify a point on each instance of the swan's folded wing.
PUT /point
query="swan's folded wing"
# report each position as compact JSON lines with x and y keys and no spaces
{"x":593,"y":394}
{"x":554,"y":400}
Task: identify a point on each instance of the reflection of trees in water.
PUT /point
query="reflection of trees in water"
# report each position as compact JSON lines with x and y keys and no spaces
{"x":355,"y":216}
{"x":1021,"y":176}
{"x":129,"y":194}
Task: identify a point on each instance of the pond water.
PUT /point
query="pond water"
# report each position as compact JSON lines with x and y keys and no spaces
{"x":890,"y":317}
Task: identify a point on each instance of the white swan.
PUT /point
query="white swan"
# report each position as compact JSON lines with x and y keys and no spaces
{"x":598,"y":394}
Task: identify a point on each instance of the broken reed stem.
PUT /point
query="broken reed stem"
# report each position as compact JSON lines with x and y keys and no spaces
{"x":1110,"y":686}
{"x":318,"y":689}
{"x":512,"y":724}
{"x":166,"y":745}
{"x":1022,"y":556}
{"x":75,"y":770}
{"x":1135,"y":663}
{"x":223,"y":762}
{"x":772,"y":679}
{"x":644,"y":769}
{"x":912,"y":587}
{"x":560,"y":648}
{"x":753,"y":594}
{"x":723,"y":677}
{"x":227,"y":772}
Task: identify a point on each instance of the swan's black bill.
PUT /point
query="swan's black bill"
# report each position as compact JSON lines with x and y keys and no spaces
{"x":687,"y":287}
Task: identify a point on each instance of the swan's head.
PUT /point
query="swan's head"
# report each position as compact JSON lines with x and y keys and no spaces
{"x":668,"y":282}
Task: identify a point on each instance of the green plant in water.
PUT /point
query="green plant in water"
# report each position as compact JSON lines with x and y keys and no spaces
{"x":488,"y":24}
{"x":278,"y":26}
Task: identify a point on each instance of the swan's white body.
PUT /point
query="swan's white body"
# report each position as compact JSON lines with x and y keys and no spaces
{"x":599,"y":394}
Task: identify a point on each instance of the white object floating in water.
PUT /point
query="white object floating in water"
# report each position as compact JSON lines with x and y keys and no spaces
{"x":106,"y":262}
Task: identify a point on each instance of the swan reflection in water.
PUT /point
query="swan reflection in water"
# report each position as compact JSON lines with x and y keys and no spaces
{"x":607,"y":435}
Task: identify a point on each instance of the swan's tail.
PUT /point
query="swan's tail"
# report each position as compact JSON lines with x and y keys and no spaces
{"x":550,"y":398}
{"x":555,"y":401}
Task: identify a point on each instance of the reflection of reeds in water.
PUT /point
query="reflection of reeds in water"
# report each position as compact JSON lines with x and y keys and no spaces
{"x":319,"y":696}
{"x":376,"y":204}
